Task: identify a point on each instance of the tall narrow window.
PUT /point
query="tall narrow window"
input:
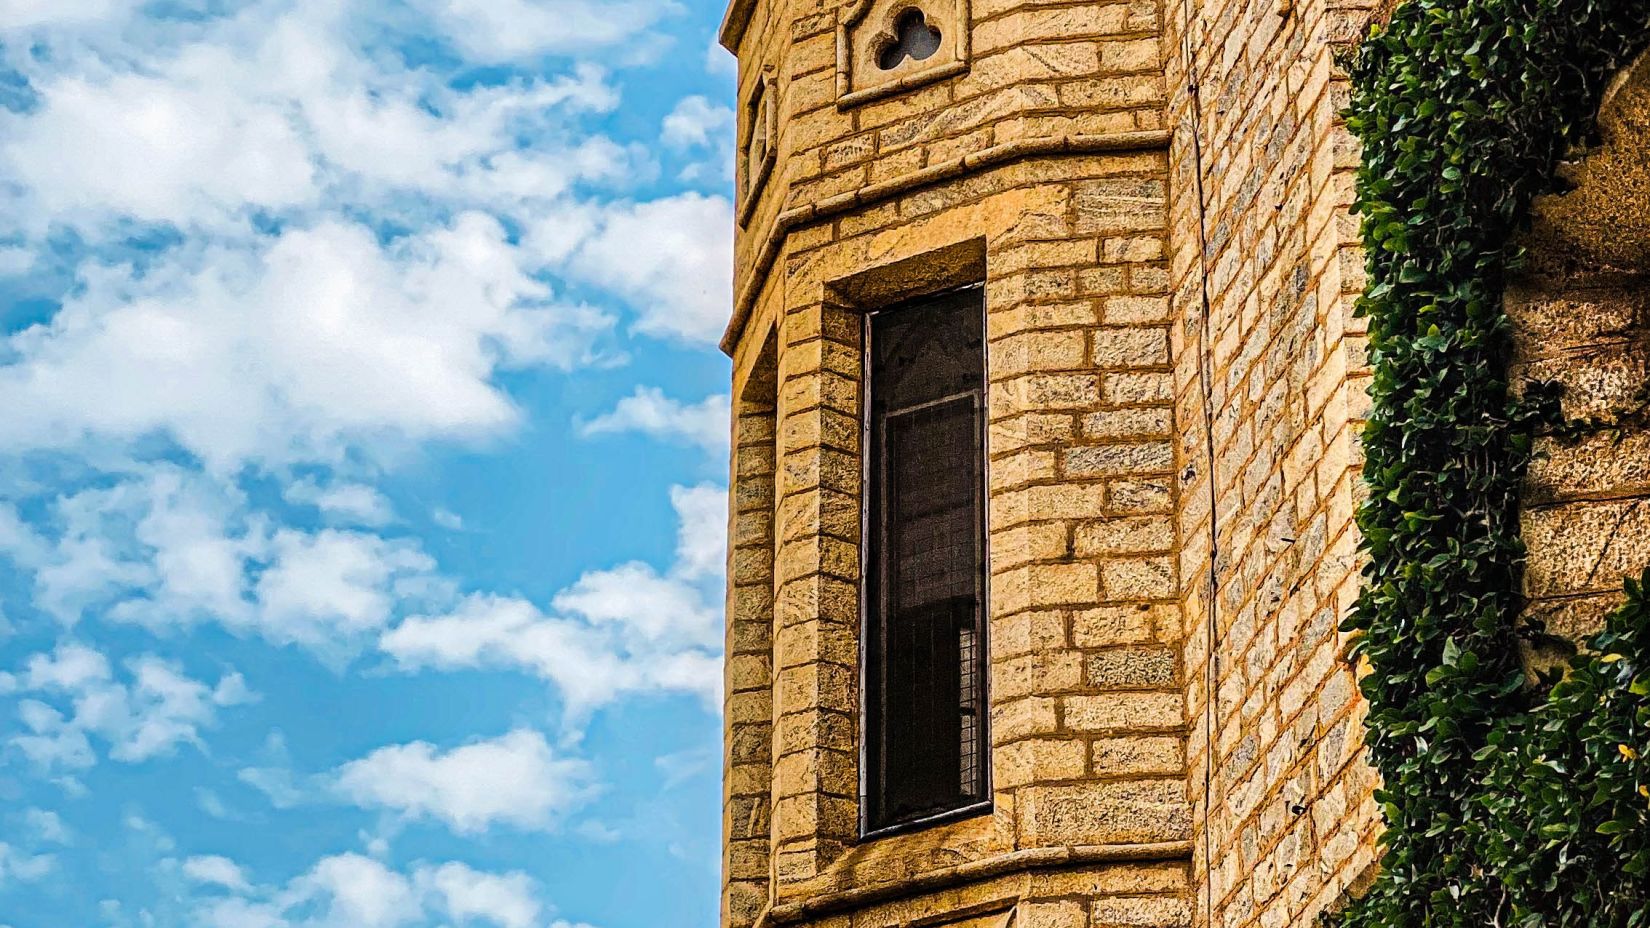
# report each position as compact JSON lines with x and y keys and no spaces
{"x":925,"y":662}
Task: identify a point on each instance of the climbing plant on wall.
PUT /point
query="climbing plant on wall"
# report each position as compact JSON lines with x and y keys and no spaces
{"x":1506,"y":803}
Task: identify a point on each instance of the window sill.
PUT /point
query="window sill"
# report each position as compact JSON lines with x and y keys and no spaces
{"x":810,"y":900}
{"x":928,"y":821}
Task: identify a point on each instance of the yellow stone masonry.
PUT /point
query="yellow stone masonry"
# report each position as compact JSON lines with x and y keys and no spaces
{"x":1155,"y":194}
{"x":1580,"y":318}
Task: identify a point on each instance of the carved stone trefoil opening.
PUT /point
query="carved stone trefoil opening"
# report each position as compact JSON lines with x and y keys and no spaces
{"x":886,"y":47}
{"x":914,"y":38}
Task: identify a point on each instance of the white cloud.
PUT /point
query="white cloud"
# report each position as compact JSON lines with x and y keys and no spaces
{"x":21,"y":867}
{"x":645,"y":604}
{"x":507,"y":900}
{"x":24,"y":14}
{"x":583,"y":663}
{"x":351,"y":503}
{"x":70,"y":667}
{"x":275,"y":783}
{"x":345,"y":259}
{"x":332,"y":586}
{"x":697,"y":125}
{"x":671,"y":258}
{"x":362,"y":892}
{"x":169,"y":548}
{"x":15,"y":261}
{"x":650,"y":412}
{"x":213,"y":870}
{"x":696,"y":122}
{"x":236,"y":912}
{"x":701,"y":534}
{"x":720,"y":61}
{"x":271,"y":108}
{"x":384,"y":341}
{"x":355,"y":891}
{"x":341,"y":282}
{"x":626,"y":629}
{"x":684,"y":765}
{"x":52,"y":741}
{"x":212,"y":804}
{"x":322,"y":341}
{"x":515,"y":779}
{"x":156,"y":150}
{"x":147,"y":717}
{"x":48,"y":826}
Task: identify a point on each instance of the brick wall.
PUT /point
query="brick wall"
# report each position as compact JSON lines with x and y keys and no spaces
{"x":1268,"y":387}
{"x":1042,"y":170}
{"x":1156,"y":197}
{"x":1090,"y":822}
{"x":748,"y":668}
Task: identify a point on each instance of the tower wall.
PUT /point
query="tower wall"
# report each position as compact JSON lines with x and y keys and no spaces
{"x":1032,"y":157}
{"x":1155,"y":197}
{"x":1270,"y":379}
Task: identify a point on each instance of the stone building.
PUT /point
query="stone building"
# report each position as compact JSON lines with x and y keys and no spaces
{"x":1116,"y":492}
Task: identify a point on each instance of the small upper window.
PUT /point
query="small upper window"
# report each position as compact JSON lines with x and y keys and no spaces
{"x":756,"y":149}
{"x":925,"y":656}
{"x":756,"y":155}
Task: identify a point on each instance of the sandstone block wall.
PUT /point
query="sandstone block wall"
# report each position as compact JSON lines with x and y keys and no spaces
{"x":1269,"y":386}
{"x":1087,"y":747}
{"x":1581,"y":317}
{"x":1156,"y":196}
{"x":748,"y":703}
{"x":1047,"y":169}
{"x":1041,"y":170}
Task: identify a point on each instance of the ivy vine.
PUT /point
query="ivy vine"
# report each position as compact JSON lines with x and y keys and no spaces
{"x":1506,"y":803}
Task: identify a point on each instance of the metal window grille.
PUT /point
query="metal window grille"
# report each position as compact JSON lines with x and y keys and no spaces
{"x":925,"y":744}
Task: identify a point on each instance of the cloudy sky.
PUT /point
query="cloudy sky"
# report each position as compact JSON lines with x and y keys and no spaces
{"x":362,"y":462}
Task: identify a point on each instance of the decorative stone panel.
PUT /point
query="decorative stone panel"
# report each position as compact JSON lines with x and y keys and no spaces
{"x":888,"y":46}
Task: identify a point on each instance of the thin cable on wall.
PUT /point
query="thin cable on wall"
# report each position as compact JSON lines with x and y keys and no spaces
{"x":1211,"y":660}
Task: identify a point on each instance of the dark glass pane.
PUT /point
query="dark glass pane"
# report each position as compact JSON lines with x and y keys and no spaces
{"x":925,"y":661}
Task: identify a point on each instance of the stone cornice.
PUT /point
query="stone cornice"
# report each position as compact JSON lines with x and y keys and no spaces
{"x":829,"y":207}
{"x":734,"y":22}
{"x":1021,"y":861}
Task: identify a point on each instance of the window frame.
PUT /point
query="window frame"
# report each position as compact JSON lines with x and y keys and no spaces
{"x":868,"y":578}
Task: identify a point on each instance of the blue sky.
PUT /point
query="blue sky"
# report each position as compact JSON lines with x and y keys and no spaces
{"x":362,"y":462}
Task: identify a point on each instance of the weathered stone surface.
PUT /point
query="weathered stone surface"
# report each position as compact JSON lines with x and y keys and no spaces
{"x":1585,"y":547}
{"x":1105,"y":812}
{"x":1175,"y":383}
{"x":1581,"y":318}
{"x":1131,"y":668}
